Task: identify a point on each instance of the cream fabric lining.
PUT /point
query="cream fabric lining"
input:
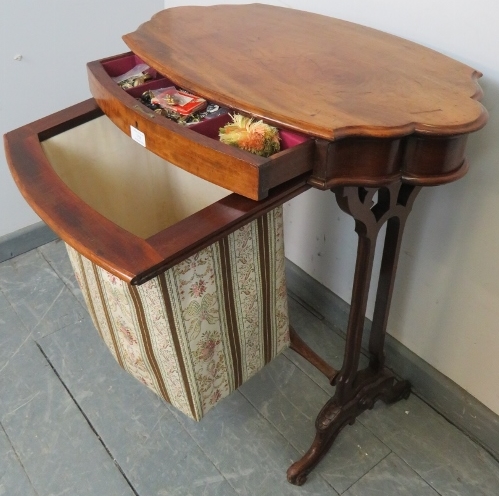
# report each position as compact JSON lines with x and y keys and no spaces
{"x":125,"y":182}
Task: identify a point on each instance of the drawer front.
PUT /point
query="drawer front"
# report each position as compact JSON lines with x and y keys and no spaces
{"x":196,"y":148}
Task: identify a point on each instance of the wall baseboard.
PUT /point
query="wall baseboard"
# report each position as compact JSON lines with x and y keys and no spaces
{"x":24,"y":240}
{"x":445,"y":396}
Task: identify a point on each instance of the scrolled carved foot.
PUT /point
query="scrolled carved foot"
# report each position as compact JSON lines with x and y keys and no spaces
{"x":298,"y":472}
{"x":333,"y":417}
{"x":295,"y":476}
{"x":329,"y":424}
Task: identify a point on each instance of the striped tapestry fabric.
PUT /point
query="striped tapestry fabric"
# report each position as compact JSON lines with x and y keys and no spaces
{"x":198,"y":331}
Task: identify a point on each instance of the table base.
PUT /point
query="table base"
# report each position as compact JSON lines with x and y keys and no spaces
{"x":358,"y":390}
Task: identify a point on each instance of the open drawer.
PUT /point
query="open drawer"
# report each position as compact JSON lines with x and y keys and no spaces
{"x":196,"y":148}
{"x":116,"y":203}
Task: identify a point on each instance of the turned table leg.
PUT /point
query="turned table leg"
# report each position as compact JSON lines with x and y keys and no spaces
{"x":358,"y":390}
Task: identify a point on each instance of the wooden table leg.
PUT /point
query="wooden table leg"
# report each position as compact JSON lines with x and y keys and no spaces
{"x":358,"y":390}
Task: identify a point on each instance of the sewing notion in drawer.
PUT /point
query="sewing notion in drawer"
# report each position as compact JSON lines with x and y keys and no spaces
{"x":124,"y":86}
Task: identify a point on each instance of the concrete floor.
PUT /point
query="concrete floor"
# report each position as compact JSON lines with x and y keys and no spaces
{"x":73,"y":423}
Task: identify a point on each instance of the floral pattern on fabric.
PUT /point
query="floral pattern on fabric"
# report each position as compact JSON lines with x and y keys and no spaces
{"x":125,"y":328}
{"x":281,"y":294}
{"x":162,"y":340}
{"x":247,"y":270}
{"x":201,"y":314}
{"x":180,"y":333}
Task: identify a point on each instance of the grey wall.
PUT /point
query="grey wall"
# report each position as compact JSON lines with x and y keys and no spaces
{"x":56,"y":39}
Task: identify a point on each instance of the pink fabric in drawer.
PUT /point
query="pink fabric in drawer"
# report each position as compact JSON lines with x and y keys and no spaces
{"x":290,"y":139}
{"x":210,"y":128}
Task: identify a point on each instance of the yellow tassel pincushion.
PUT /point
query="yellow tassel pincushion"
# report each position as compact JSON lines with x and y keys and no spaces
{"x":253,"y":136}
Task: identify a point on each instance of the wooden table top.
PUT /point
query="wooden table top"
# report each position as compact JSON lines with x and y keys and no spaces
{"x":323,"y":76}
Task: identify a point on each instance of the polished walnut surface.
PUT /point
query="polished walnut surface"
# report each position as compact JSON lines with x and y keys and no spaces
{"x":322,"y":76}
